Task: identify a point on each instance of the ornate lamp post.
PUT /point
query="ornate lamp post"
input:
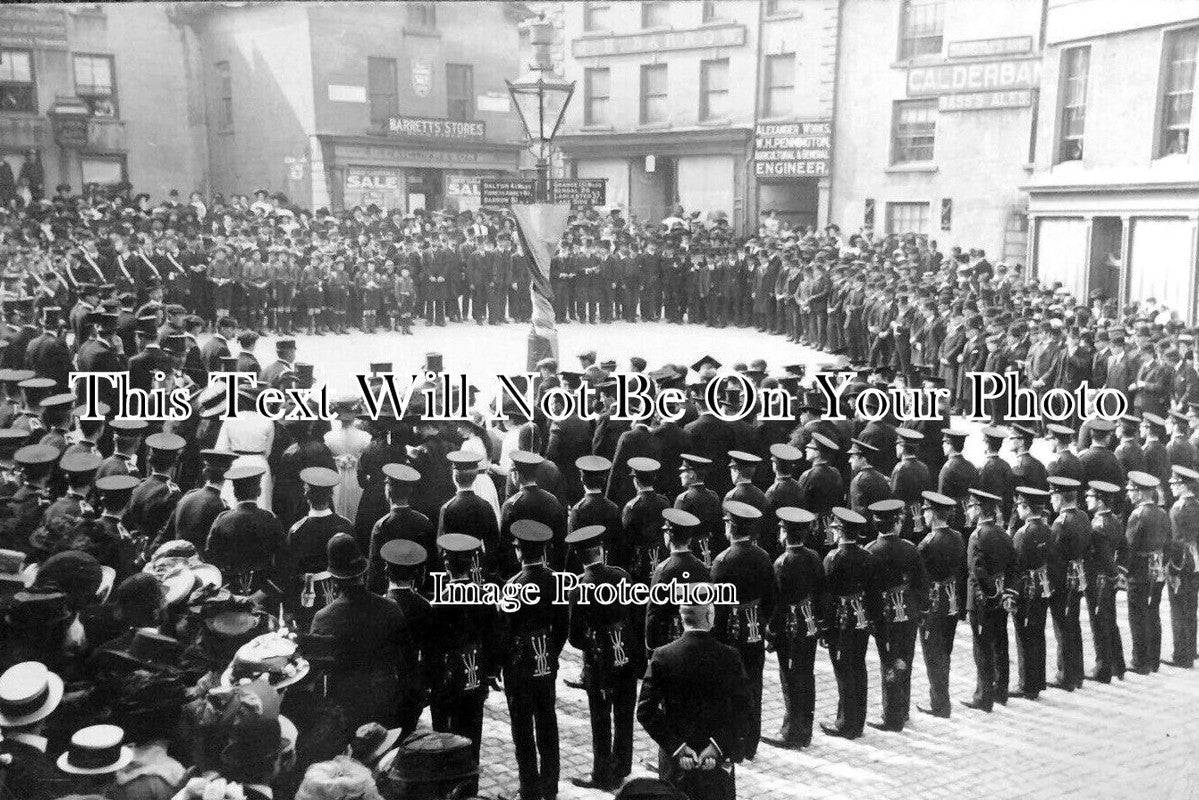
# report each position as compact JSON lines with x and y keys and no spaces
{"x":541,"y":96}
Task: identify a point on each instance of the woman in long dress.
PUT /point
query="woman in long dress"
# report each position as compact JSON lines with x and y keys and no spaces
{"x":473,"y":441}
{"x":251,"y":436}
{"x":347,"y":441}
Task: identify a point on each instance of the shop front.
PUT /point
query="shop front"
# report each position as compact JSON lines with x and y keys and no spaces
{"x":434,"y":165}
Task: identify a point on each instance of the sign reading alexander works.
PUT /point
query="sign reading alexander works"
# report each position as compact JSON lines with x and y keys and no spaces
{"x":713,"y":36}
{"x":979,"y":76}
{"x":579,"y":191}
{"x":984,"y":101}
{"x":505,"y":191}
{"x":440,"y":129}
{"x":33,"y":27}
{"x":793,"y":149}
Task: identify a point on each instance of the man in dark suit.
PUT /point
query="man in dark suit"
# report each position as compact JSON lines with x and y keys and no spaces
{"x":534,"y":634}
{"x":713,"y":438}
{"x":694,"y":704}
{"x":401,"y":522}
{"x":637,"y":442}
{"x":47,"y":354}
{"x":246,"y":542}
{"x":217,"y":347}
{"x":530,"y":502}
{"x":195,"y":512}
{"x":613,"y":658}
{"x":569,"y":439}
{"x":246,"y":361}
{"x":368,"y":636}
{"x":429,"y":458}
{"x":149,"y":358}
{"x":673,"y":441}
{"x":467,"y":512}
{"x":272,"y":373}
{"x":155,"y":498}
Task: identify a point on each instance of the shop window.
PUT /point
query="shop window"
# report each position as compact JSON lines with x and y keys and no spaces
{"x":102,"y":170}
{"x":460,"y":91}
{"x":913,"y":131}
{"x":17,"y":89}
{"x":655,"y":14}
{"x":922,"y":30}
{"x":1178,"y":89}
{"x":780,"y":85}
{"x":907,"y":218}
{"x":95,"y":85}
{"x":595,"y":17}
{"x":382,"y":88}
{"x":713,"y":89}
{"x":225,"y":104}
{"x":1076,"y":63}
{"x":653,"y":94}
{"x":596,"y":82}
{"x":779,"y":8}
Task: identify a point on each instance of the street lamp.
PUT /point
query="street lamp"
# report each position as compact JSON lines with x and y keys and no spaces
{"x":541,"y":97}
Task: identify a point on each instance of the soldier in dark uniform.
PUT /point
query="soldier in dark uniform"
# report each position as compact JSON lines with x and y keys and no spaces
{"x":1028,"y":470}
{"x":747,"y":567}
{"x":405,"y":566}
{"x":1179,"y":448}
{"x":991,"y":584}
{"x":1181,"y":564}
{"x":154,"y":500}
{"x":1032,"y":542}
{"x":868,"y":485}
{"x":467,"y":512}
{"x":793,"y":628}
{"x":639,"y":548}
{"x":705,"y":504}
{"x":902,"y":584}
{"x":1106,"y":560}
{"x":742,"y":468}
{"x":995,"y":475}
{"x":681,"y":565}
{"x":127,"y":441}
{"x":80,"y":472}
{"x":693,"y":705}
{"x":272,"y":374}
{"x":48,"y":354}
{"x":594,"y":508}
{"x":1067,"y":575}
{"x":1065,"y":463}
{"x":822,"y":486}
{"x":1148,"y":531}
{"x":1129,"y":450}
{"x":195,"y":512}
{"x":305,"y":547}
{"x":530,"y":502}
{"x":246,"y":542}
{"x":958,"y":476}
{"x":944,"y":554}
{"x":463,"y":656}
{"x":909,"y":480}
{"x":401,"y":522}
{"x":852,"y":606}
{"x":534,"y":634}
{"x":613,"y":658}
{"x":784,"y":492}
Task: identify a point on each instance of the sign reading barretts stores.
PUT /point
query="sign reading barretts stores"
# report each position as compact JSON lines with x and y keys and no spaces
{"x":982,"y":76}
{"x":711,"y":36}
{"x":792,"y":150}
{"x":438,"y":129}
{"x":33,"y":27}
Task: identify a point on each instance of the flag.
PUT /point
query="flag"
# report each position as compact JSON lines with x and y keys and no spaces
{"x":540,"y":226}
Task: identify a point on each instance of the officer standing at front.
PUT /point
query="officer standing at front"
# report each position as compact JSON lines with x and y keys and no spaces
{"x":1148,"y":531}
{"x":944,"y":556}
{"x":990,"y":585}
{"x":1032,"y":541}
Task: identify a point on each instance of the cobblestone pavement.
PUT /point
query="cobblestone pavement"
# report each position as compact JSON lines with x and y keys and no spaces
{"x":1132,"y":738}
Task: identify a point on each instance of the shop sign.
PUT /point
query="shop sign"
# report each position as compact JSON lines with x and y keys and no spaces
{"x":990,"y":48}
{"x":373,"y":180}
{"x":70,"y":131}
{"x":33,"y":27}
{"x":505,"y":191}
{"x":694,"y":39}
{"x":793,"y":149}
{"x":438,"y":129}
{"x":983,"y":101}
{"x":579,"y":191}
{"x":984,"y":76}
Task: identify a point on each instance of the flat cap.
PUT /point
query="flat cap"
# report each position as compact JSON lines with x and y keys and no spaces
{"x":739,"y":510}
{"x":848,"y":516}
{"x":785,"y":452}
{"x":644,"y":465}
{"x":679,"y":518}
{"x":592,"y":464}
{"x":459,"y":543}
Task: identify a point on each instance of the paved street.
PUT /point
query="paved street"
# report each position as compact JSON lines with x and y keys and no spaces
{"x":1131,"y":739}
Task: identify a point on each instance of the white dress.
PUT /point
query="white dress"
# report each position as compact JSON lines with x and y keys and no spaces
{"x":483,"y":486}
{"x":347,"y":444}
{"x":251,"y":436}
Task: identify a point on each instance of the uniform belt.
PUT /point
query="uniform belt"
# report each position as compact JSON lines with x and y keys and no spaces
{"x":851,"y":612}
{"x":947,"y":588}
{"x":898,"y":601}
{"x":1156,"y":563}
{"x":801,"y":614}
{"x":1035,"y":577}
{"x":1076,"y":578}
{"x":744,"y":625}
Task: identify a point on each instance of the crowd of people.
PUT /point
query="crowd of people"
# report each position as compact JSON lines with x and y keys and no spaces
{"x":236,"y":607}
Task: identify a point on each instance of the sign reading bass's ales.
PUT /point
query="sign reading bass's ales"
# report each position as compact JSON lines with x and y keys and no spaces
{"x":505,"y":191}
{"x":793,"y":149}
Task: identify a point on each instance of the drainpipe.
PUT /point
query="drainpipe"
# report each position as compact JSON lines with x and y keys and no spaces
{"x":832,"y":169}
{"x":751,"y":204}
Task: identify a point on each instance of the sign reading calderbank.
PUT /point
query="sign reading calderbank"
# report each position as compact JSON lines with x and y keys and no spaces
{"x":711,"y":36}
{"x":444,"y":129}
{"x":984,"y":76}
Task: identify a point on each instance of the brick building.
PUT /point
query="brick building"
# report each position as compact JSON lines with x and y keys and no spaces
{"x":103,"y":92}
